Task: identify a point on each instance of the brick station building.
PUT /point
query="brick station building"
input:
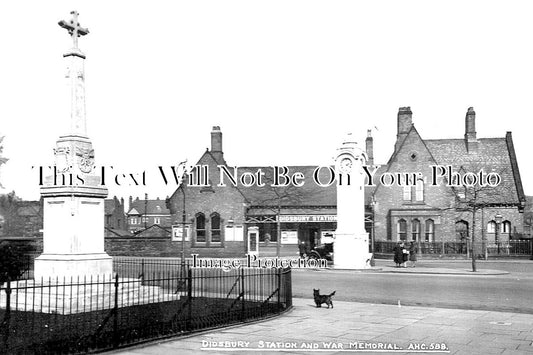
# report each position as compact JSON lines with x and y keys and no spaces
{"x":427,"y":213}
{"x":218,"y":218}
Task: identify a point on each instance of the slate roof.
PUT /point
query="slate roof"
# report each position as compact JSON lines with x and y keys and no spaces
{"x":29,"y":208}
{"x":310,"y":194}
{"x":492,"y":155}
{"x":111,"y":232}
{"x":154,"y":231}
{"x":307,"y":196}
{"x":155,"y":207}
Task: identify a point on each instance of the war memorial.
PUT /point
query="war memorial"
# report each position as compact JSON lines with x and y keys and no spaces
{"x":79,"y":298}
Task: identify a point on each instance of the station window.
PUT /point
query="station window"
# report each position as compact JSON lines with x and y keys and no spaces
{"x":402,"y":229}
{"x":200,"y":228}
{"x":430,"y":230}
{"x":415,"y":228}
{"x":215,"y":228}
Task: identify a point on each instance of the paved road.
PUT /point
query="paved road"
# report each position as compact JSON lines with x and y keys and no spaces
{"x":510,"y":293}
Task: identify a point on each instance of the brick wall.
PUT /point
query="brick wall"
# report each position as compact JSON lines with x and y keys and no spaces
{"x":20,"y":218}
{"x":36,"y":244}
{"x":227,"y":201}
{"x":164,"y":247}
{"x":144,"y":247}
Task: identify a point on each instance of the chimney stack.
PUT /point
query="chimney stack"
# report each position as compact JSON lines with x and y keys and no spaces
{"x":216,"y":144}
{"x":369,"y":147}
{"x":470,"y":130}
{"x":216,"y":140}
{"x":405,"y":121}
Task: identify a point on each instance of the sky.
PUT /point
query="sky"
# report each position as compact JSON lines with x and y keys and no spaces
{"x":285,"y":80}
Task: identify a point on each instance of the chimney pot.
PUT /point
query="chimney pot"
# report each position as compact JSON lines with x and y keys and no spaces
{"x":405,"y":121}
{"x":216,"y":144}
{"x":470,"y":130}
{"x":216,"y":139}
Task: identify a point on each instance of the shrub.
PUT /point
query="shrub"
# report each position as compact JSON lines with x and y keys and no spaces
{"x":13,"y":261}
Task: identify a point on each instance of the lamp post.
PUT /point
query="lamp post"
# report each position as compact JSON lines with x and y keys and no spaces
{"x":373,"y":206}
{"x":145,"y":210}
{"x":183,"y":231}
{"x":183,"y":214}
{"x":498,"y":219}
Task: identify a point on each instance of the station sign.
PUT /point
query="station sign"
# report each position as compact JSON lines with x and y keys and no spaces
{"x":307,"y":218}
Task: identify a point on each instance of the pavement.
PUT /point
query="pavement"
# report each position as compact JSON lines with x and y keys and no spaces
{"x":427,"y":268}
{"x":364,"y":328}
{"x":420,"y":270}
{"x":443,"y":271}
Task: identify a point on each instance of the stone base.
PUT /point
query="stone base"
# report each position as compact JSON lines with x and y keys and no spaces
{"x":351,"y":251}
{"x":79,"y":295}
{"x":72,"y":265}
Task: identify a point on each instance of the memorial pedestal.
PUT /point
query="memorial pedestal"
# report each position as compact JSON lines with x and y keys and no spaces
{"x":351,"y":251}
{"x":73,"y":236}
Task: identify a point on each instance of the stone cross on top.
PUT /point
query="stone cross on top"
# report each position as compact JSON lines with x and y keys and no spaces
{"x":73,"y":27}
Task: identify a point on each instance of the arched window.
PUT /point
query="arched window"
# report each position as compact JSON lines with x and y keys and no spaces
{"x":461,"y":231}
{"x":491,"y":231}
{"x":415,"y":229}
{"x":419,"y":190}
{"x":430,"y":230}
{"x":215,"y":228}
{"x":506,"y":227}
{"x":200,"y":228}
{"x":505,"y":230}
{"x":402,"y":229}
{"x":491,"y":227}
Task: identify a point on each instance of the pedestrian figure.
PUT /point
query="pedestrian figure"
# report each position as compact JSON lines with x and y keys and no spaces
{"x":413,"y":249}
{"x":302,"y":248}
{"x":405,"y":255}
{"x":398,"y":254}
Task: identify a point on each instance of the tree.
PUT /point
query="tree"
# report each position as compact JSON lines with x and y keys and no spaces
{"x":14,"y":261}
{"x":3,"y":160}
{"x":474,"y":195}
{"x":9,"y":204}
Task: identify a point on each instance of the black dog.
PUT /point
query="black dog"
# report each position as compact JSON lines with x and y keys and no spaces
{"x":319,"y":299}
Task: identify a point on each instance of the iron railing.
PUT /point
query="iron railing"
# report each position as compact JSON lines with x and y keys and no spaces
{"x":140,"y":267}
{"x":510,"y":248}
{"x":507,"y":248}
{"x":80,"y":315}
